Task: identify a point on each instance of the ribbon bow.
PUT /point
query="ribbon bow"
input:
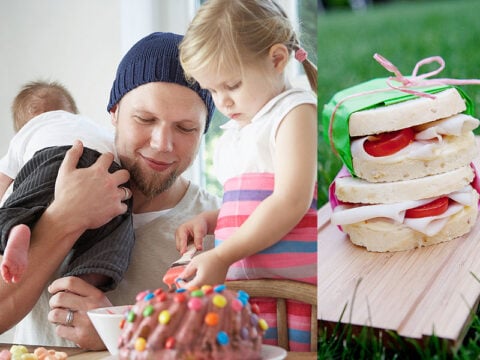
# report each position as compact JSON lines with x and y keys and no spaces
{"x":420,"y":80}
{"x":407,"y":83}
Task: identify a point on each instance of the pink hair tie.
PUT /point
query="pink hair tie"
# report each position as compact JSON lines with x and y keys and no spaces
{"x":301,"y":55}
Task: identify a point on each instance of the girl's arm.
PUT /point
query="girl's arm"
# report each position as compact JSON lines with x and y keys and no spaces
{"x":5,"y":182}
{"x":295,"y":177}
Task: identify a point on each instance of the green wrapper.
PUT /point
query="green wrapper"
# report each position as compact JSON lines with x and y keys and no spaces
{"x":340,"y":133}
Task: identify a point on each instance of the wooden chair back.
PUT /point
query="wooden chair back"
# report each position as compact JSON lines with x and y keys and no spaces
{"x":283,"y":290}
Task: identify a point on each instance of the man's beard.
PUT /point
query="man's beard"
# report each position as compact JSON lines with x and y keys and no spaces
{"x":151,"y":184}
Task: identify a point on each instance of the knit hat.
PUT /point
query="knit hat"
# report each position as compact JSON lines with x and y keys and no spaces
{"x":154,"y":58}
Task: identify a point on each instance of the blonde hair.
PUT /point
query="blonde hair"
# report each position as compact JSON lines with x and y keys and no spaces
{"x":229,"y":34}
{"x":38,"y":97}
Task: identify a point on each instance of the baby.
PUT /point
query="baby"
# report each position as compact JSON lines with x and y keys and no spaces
{"x":45,"y":116}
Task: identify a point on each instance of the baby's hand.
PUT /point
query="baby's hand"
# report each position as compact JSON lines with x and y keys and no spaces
{"x":207,"y":269}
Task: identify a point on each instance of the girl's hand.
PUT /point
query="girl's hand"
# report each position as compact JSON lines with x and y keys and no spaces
{"x":195,"y":230}
{"x":207,"y":268}
{"x":73,"y":293}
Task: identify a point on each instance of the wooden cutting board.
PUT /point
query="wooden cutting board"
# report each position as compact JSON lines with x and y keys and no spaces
{"x":416,"y":293}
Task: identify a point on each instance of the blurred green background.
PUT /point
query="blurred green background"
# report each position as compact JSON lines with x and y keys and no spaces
{"x":404,"y":32}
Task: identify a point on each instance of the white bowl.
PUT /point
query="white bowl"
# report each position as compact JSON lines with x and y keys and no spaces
{"x":107,"y":323}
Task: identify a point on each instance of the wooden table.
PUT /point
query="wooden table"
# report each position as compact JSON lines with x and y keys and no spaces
{"x":414,"y":293}
{"x":80,"y":354}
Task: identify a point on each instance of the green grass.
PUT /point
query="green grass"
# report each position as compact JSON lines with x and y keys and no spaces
{"x":342,"y":341}
{"x":404,"y":32}
{"x":345,"y":342}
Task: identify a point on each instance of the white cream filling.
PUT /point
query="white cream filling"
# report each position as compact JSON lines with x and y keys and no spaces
{"x":353,"y":213}
{"x":428,"y":139}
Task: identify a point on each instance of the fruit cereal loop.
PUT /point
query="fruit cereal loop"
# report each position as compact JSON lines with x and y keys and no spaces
{"x":187,"y":332}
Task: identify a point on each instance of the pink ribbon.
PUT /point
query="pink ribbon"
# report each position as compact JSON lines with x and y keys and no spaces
{"x":407,"y":83}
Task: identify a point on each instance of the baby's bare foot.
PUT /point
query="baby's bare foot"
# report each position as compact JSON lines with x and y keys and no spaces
{"x":15,"y":257}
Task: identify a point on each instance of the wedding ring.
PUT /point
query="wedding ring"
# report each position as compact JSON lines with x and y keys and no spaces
{"x":69,"y":320}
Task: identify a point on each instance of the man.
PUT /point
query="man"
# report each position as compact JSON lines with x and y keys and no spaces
{"x":159,"y":119}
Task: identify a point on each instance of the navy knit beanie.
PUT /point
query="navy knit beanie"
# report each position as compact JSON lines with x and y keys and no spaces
{"x":154,"y":58}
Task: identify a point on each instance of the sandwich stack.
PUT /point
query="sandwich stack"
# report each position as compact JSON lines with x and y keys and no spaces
{"x":408,"y":179}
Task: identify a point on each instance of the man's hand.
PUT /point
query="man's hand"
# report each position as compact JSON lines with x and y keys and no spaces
{"x":72,"y":293}
{"x":89,"y":197}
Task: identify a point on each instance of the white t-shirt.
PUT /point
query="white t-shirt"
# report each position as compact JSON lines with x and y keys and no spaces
{"x":251,"y":148}
{"x":54,"y":128}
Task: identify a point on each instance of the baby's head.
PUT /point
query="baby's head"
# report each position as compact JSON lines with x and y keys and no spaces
{"x":229,"y":35}
{"x":37,"y":97}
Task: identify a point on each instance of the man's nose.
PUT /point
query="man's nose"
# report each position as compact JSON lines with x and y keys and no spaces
{"x":161,"y":138}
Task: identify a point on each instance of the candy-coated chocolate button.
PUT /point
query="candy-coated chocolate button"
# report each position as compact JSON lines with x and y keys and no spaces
{"x":222,"y":338}
{"x":219,"y":301}
{"x":211,"y":319}
{"x":140,"y":344}
{"x":195,"y":304}
{"x":164,"y":317}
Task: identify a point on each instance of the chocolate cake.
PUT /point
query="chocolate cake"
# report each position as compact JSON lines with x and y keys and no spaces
{"x":212,"y":322}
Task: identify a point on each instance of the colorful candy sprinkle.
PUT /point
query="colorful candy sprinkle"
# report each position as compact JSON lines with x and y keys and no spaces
{"x":148,"y":296}
{"x":243,"y":294}
{"x":164,"y":317}
{"x":170,"y":342}
{"x":197,"y":293}
{"x":158,"y":292}
{"x":243,"y":297}
{"x":140,"y":344}
{"x":263,"y":324}
{"x":253,"y":319}
{"x":131,"y":316}
{"x":195,"y":304}
{"x":222,"y":338}
{"x":207,"y":289}
{"x":255,"y":309}
{"x":141,"y":295}
{"x":148,"y":310}
{"x":237,"y":305}
{"x":219,"y":288}
{"x":219,"y":301}
{"x":122,"y":324}
{"x":180,"y":298}
{"x":244,"y":333}
{"x":162,"y":297}
{"x":211,"y":319}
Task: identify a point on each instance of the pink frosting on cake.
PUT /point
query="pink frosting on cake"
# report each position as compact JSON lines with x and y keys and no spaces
{"x":207,"y":323}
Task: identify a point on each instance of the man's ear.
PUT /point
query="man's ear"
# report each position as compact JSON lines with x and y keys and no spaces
{"x":113,"y":114}
{"x":279,"y":55}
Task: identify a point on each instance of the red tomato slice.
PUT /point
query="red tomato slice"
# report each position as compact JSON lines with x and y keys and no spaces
{"x":388,"y":143}
{"x":436,"y":207}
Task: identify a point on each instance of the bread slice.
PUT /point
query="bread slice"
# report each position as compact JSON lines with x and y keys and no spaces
{"x":355,"y":190}
{"x":382,"y":235}
{"x":406,"y":114}
{"x":452,"y":152}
